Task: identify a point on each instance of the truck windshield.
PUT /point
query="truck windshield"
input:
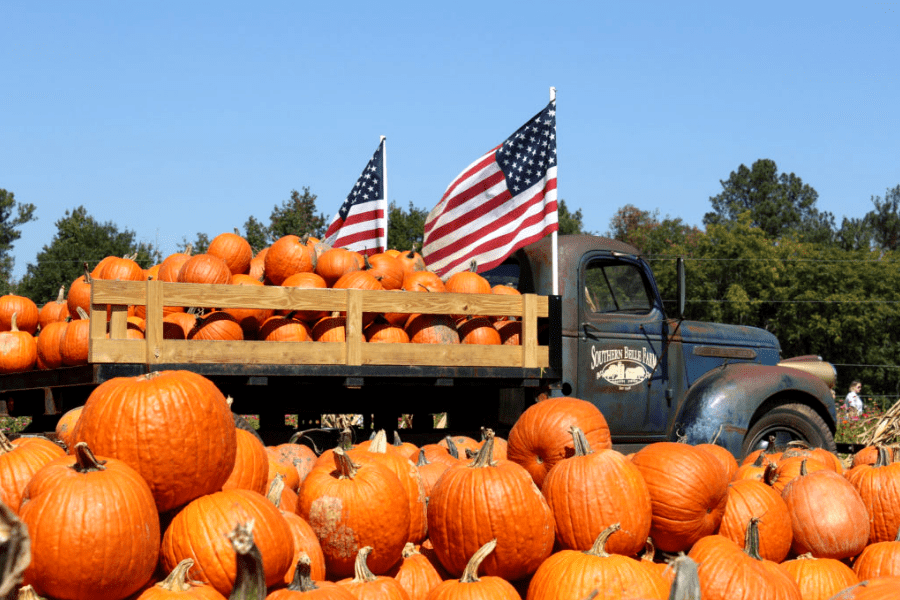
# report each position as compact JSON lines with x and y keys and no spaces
{"x":615,"y":287}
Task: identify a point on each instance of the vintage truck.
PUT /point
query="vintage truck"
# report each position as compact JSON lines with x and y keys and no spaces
{"x":605,"y":337}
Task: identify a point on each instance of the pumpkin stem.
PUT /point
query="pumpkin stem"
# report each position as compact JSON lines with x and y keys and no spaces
{"x":451,"y":447}
{"x":582,"y":447}
{"x":179,"y":580}
{"x":803,"y":470}
{"x":379,"y":442}
{"x":346,"y":468}
{"x":85,"y":461}
{"x":751,"y":539}
{"x":275,"y":490}
{"x":397,"y":441}
{"x":62,"y":296}
{"x":361,"y":572}
{"x":687,"y":581}
{"x":599,"y":547}
{"x":422,"y":459}
{"x":409,"y":550}
{"x":250,"y":583}
{"x":5,"y":444}
{"x":12,"y":322}
{"x":649,"y":550}
{"x":470,"y":574}
{"x":27,"y":593}
{"x":485,"y":456}
{"x":884,"y":458}
{"x":302,"y":581}
{"x":345,"y":440}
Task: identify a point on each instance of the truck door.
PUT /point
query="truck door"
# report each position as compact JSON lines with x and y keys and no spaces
{"x":620,"y":347}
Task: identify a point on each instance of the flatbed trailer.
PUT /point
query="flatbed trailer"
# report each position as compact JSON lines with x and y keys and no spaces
{"x":474,"y":385}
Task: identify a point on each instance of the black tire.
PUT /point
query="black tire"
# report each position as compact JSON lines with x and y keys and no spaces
{"x":789,"y":422}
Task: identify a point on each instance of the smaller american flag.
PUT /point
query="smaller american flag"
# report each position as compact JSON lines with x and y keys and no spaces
{"x":503,"y":201}
{"x":361,"y":222}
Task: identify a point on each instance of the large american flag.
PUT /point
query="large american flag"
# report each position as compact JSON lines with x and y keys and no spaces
{"x":361,"y":222}
{"x":503,"y":201}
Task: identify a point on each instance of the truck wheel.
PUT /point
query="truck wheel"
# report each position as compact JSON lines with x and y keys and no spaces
{"x":787,"y":423}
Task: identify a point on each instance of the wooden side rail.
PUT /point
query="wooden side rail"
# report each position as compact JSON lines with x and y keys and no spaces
{"x":108,"y":343}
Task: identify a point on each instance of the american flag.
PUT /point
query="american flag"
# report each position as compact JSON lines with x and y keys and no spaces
{"x":503,"y":201}
{"x":361,"y":222}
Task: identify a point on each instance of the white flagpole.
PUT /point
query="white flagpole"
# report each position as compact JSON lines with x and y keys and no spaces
{"x":554,"y":237}
{"x":387,"y":204}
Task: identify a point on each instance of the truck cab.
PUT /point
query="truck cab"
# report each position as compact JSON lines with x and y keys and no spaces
{"x":656,"y":376}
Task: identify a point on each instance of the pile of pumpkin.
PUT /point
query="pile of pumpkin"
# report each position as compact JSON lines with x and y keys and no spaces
{"x":158,"y":486}
{"x":57,"y":334}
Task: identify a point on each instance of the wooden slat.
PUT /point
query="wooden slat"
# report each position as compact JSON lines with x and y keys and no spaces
{"x":354,"y":303}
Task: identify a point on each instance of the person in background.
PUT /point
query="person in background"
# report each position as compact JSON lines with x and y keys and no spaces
{"x":853,"y":401}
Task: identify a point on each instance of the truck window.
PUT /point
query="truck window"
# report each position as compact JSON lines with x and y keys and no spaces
{"x":615,"y":287}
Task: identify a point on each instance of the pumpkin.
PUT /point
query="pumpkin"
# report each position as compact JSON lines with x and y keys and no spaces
{"x":199,"y":532}
{"x":339,"y":505}
{"x":249,"y":319}
{"x":407,"y":474}
{"x":729,"y":462}
{"x":468,"y":282}
{"x":879,"y":559}
{"x":204,"y":268}
{"x":749,"y":499}
{"x":415,"y":573}
{"x":334,"y":263}
{"x":66,"y":425}
{"x":284,"y":329}
{"x":251,"y":464}
{"x":386,"y":269}
{"x":303,"y":587}
{"x":112,"y":551}
{"x":74,"y":343}
{"x":300,"y":456}
{"x":828,"y":516}
{"x":380,"y":331}
{"x":541,"y":436}
{"x":590,"y":491}
{"x":524,"y":528}
{"x":879,"y":486}
{"x":19,"y":461}
{"x":306,"y":281}
{"x":688,"y":492}
{"x":305,"y":541}
{"x":216,"y":326}
{"x":55,"y":310}
{"x":25,"y":311}
{"x":234,"y":250}
{"x":179,"y":586}
{"x":171,"y":266}
{"x":286,"y":256}
{"x":471,"y":586}
{"x":574,"y":574}
{"x":423,"y":281}
{"x":728,"y":571}
{"x":48,"y":340}
{"x":819,"y":578}
{"x":182,"y":416}
{"x":79,"y":295}
{"x":18,"y":349}
{"x":477,"y":330}
{"x":365,"y":585}
{"x":431,"y":329}
{"x":116,"y":268}
{"x":411,"y":261}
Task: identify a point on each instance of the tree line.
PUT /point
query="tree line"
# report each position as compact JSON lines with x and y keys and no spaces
{"x":765,"y":257}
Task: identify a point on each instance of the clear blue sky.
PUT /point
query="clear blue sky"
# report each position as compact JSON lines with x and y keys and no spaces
{"x":172,"y":118}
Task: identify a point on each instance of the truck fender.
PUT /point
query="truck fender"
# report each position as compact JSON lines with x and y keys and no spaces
{"x":724,"y":403}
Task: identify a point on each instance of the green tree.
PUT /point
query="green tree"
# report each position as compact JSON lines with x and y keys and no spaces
{"x":256,"y":234}
{"x":779,"y":203}
{"x":885,"y":219}
{"x":569,"y":222}
{"x":297,"y":216}
{"x":855,"y":234}
{"x":79,"y":240}
{"x":406,"y":228}
{"x":643,"y":230}
{"x":12,"y":216}
{"x":199,"y":245}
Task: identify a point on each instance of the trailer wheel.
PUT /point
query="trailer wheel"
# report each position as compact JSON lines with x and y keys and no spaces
{"x":788,"y":423}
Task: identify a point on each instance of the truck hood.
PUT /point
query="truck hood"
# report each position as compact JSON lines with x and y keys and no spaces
{"x":717,"y":334}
